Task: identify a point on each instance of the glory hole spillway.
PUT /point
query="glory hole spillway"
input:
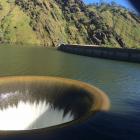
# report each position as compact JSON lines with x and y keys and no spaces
{"x":34,"y":102}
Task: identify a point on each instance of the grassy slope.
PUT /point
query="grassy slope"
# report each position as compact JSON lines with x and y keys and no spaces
{"x":125,"y":25}
{"x":49,"y":22}
{"x":14,"y":25}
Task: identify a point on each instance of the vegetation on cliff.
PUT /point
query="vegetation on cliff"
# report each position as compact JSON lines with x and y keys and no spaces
{"x":50,"y":22}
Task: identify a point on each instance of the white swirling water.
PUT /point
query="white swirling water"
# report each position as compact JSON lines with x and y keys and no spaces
{"x":26,"y":116}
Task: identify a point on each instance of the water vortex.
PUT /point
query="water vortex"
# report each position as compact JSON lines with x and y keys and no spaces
{"x":35,"y":102}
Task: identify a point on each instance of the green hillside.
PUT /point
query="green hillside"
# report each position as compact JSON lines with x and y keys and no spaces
{"x":50,"y":22}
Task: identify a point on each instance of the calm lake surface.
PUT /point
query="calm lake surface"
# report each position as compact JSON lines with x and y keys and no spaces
{"x":120,"y":81}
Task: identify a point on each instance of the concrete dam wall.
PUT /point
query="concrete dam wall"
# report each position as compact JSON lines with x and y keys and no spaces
{"x":131,"y":55}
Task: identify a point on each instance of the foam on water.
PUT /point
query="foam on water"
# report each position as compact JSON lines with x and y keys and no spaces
{"x":27,"y":115}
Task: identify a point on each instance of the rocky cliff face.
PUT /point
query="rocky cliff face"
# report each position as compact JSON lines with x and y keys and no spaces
{"x":50,"y":22}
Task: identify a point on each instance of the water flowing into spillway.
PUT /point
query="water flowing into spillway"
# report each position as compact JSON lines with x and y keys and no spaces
{"x":27,"y":116}
{"x":28,"y":103}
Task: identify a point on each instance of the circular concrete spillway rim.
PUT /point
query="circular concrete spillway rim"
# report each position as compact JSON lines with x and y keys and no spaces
{"x":100,"y":99}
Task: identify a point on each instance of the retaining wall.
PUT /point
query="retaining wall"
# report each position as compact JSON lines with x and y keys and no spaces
{"x":132,"y":55}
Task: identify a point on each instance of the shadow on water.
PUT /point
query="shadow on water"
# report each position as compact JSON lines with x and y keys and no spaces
{"x":120,"y":128}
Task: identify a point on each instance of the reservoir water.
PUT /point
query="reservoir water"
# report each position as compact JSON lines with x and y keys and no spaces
{"x":120,"y":81}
